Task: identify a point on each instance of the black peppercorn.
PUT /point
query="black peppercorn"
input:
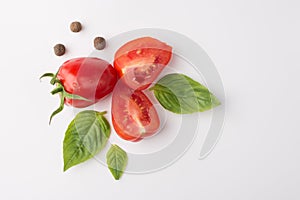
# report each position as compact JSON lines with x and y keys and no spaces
{"x":99,"y":43}
{"x":75,"y":27}
{"x":59,"y":49}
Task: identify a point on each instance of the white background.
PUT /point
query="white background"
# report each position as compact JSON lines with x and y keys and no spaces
{"x":255,"y":46}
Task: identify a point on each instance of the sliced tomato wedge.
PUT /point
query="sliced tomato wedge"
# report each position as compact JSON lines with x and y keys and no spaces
{"x":140,"y":61}
{"x":133,"y":115}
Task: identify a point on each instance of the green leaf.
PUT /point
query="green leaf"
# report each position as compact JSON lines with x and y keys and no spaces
{"x":116,"y":159}
{"x":86,"y":136}
{"x":180,"y":94}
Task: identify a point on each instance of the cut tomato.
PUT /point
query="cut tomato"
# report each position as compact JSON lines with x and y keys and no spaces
{"x":140,"y":61}
{"x":133,"y":115}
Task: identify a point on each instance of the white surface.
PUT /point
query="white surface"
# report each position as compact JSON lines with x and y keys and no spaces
{"x":255,"y":46}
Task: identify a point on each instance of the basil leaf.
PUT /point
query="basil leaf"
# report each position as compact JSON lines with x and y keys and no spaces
{"x":86,"y":135}
{"x":180,"y":94}
{"x":116,"y":159}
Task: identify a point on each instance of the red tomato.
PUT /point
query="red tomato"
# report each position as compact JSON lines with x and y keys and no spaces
{"x":133,"y":115}
{"x":140,"y":61}
{"x":91,"y":78}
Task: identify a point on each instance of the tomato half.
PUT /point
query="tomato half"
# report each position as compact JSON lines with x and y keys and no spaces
{"x":133,"y":115}
{"x":91,"y":78}
{"x":140,"y":61}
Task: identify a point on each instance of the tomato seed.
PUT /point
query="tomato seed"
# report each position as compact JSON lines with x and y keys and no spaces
{"x":139,"y":51}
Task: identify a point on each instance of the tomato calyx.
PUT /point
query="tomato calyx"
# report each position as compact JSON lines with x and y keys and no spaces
{"x":63,"y":93}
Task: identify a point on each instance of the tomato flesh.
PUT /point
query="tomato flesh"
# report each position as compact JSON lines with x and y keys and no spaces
{"x":91,"y":78}
{"x":140,"y":61}
{"x":134,"y":116}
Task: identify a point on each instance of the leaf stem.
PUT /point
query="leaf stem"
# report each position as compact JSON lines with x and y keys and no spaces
{"x":102,"y":113}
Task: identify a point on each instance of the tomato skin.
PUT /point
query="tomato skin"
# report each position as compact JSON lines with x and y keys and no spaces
{"x":140,"y":61}
{"x":133,"y":115}
{"x":91,"y":78}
